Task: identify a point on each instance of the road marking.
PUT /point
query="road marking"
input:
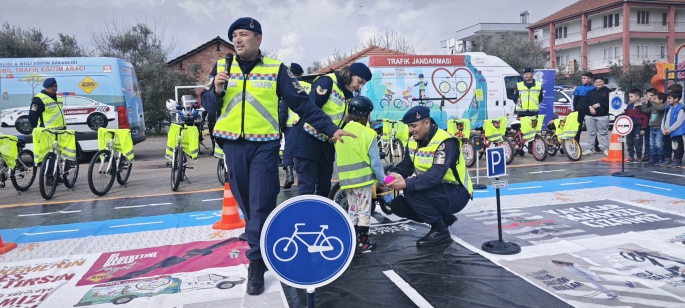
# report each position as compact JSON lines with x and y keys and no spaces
{"x":653,"y":187}
{"x":546,"y":171}
{"x":519,"y":188}
{"x":41,"y":214}
{"x":212,"y":199}
{"x":680,"y":175}
{"x":200,"y":218}
{"x":50,"y":232}
{"x":480,"y":191}
{"x":144,"y":205}
{"x":407,"y":289}
{"x":576,"y":183}
{"x":138,"y":224}
{"x":197,"y":215}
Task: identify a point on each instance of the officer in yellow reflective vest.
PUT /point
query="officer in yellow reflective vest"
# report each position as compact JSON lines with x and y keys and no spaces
{"x":248,"y":130}
{"x":441,"y":185}
{"x":47,"y":109}
{"x":289,"y":118}
{"x":528,"y":95}
{"x":314,"y":155}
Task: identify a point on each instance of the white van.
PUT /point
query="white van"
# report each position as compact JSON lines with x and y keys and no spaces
{"x":475,"y":86}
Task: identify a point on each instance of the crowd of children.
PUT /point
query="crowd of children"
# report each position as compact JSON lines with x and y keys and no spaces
{"x":658,"y":123}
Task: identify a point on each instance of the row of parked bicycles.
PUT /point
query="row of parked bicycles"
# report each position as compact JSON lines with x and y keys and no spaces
{"x":55,"y":161}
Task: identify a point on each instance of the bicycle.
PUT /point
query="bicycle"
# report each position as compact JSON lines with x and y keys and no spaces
{"x":492,"y":131}
{"x":111,"y":162}
{"x":55,"y":167}
{"x":221,"y":171}
{"x":339,"y":196}
{"x":533,"y":129}
{"x":462,"y":130}
{"x":318,"y":246}
{"x":23,"y":172}
{"x":560,"y":136}
{"x":179,"y":157}
{"x":385,"y":102}
{"x":388,"y":143}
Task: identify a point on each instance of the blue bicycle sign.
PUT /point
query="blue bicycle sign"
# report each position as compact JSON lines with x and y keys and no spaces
{"x":321,"y":245}
{"x":308,"y":241}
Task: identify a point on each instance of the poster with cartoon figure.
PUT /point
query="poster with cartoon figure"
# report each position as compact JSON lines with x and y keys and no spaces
{"x":453,"y":86}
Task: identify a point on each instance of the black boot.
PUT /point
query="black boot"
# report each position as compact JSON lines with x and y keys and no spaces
{"x":436,"y":236}
{"x":255,"y":277}
{"x":363,"y":243}
{"x":243,"y":237}
{"x":449,"y":220}
{"x":289,"y":177}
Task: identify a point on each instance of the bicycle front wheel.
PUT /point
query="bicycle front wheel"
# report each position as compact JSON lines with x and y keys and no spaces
{"x":48,"y":176}
{"x":24,"y":173}
{"x":468,"y":152}
{"x":221,"y":171}
{"x":336,"y":245}
{"x":176,"y":172}
{"x":123,"y":170}
{"x":539,"y":148}
{"x":508,"y":150}
{"x":572,"y":149}
{"x":399,"y":104}
{"x":100,"y":177}
{"x":70,"y":175}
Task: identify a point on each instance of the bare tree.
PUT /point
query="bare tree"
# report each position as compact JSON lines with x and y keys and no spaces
{"x":16,"y":42}
{"x":273,"y":54}
{"x":515,"y":49}
{"x":390,"y":40}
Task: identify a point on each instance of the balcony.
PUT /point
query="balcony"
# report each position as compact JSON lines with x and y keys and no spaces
{"x":635,"y":60}
{"x":598,"y":64}
{"x":680,"y":27}
{"x":571,"y":37}
{"x":601,"y":31}
{"x":544,"y":43}
{"x":652,"y":27}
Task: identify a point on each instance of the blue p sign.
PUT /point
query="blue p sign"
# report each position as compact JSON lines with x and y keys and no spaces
{"x":496,"y":162}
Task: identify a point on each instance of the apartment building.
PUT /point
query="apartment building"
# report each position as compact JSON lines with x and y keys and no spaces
{"x":469,"y":38}
{"x":592,"y":34}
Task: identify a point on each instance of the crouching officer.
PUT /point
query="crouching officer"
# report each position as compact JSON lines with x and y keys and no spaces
{"x":441,"y":186}
{"x":248,"y":129}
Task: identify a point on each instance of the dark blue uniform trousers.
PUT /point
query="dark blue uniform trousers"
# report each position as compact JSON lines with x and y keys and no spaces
{"x":253,"y":176}
{"x":431,"y":205}
{"x":313,"y":177}
{"x":288,"y":148}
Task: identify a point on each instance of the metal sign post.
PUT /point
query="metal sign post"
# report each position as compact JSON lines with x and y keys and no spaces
{"x":477,"y":144}
{"x":623,"y":126}
{"x":496,"y":166}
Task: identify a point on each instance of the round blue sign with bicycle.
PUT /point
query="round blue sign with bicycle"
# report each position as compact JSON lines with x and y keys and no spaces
{"x":308,"y":241}
{"x":616,"y":102}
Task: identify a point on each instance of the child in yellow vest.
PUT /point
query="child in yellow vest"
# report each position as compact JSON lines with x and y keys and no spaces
{"x":359,"y":167}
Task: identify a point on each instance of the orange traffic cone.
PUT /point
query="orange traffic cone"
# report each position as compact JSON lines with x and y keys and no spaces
{"x":7,"y":246}
{"x":230,"y":217}
{"x":615,"y":149}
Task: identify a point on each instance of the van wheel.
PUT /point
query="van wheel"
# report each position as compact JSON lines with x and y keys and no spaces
{"x":96,"y":120}
{"x":225,"y":285}
{"x":122,"y":300}
{"x":23,"y":125}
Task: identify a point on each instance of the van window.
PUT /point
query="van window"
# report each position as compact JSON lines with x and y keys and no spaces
{"x":216,"y":277}
{"x":510,"y":84}
{"x":78,"y":101}
{"x":203,"y":278}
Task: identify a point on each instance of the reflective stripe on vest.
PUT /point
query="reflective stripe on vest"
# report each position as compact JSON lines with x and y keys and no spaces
{"x":495,"y":129}
{"x":250,"y":105}
{"x":530,"y":126}
{"x":335,"y":108}
{"x":293,"y":117}
{"x":423,"y":159}
{"x":353,"y":161}
{"x":53,"y":112}
{"x":529,"y":97}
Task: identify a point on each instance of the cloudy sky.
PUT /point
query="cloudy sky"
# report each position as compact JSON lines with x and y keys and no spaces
{"x":299,"y":30}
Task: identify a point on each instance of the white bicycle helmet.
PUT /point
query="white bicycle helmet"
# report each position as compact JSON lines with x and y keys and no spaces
{"x":171,"y":104}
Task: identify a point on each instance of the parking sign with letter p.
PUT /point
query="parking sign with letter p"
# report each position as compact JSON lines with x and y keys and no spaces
{"x":496,"y":162}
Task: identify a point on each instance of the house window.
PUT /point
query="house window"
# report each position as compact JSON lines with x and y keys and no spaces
{"x":589,"y":25}
{"x":664,"y":52}
{"x":616,"y":20}
{"x":664,"y":19}
{"x":616,"y":52}
{"x":642,"y":51}
{"x":561,"y":32}
{"x":643,"y":17}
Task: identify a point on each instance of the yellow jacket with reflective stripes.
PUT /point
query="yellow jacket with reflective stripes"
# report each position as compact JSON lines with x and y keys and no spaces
{"x":423,"y":159}
{"x":53,"y":113}
{"x":8,"y":150}
{"x":292,"y":116}
{"x":529,"y":97}
{"x":530,"y":126}
{"x":250,"y":105}
{"x":122,"y":141}
{"x":190,"y":141}
{"x":335,"y":108}
{"x":353,"y":161}
{"x":42,"y":143}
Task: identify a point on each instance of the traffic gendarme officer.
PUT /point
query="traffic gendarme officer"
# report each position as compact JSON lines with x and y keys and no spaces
{"x":314,"y":154}
{"x":529,"y":95}
{"x":441,"y":187}
{"x":290,"y":118}
{"x":248,"y":129}
{"x":47,"y":109}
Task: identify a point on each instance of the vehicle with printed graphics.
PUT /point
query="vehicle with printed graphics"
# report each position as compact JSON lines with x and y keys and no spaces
{"x":123,"y":292}
{"x":96,"y":92}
